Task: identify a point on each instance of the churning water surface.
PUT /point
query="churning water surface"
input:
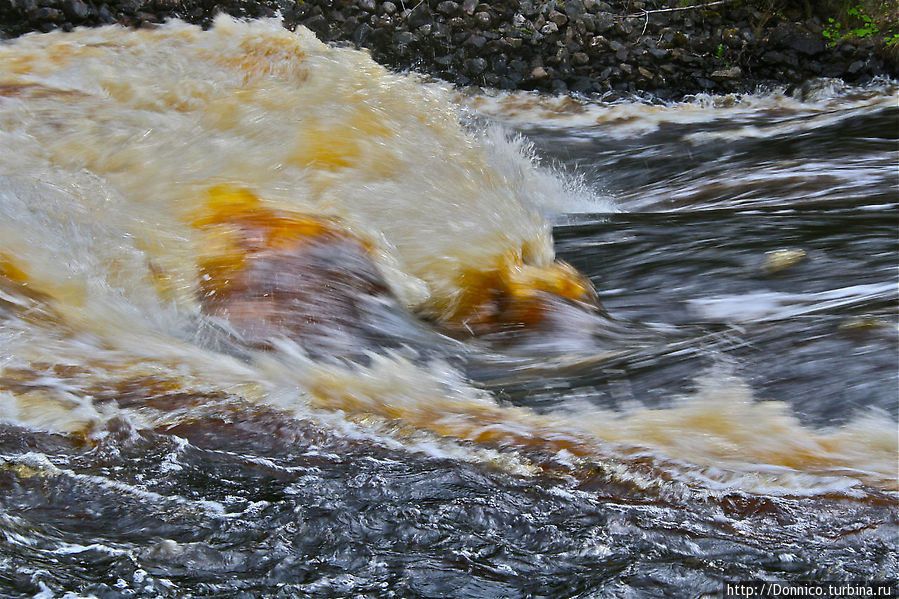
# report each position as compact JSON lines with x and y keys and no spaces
{"x":730,"y":413}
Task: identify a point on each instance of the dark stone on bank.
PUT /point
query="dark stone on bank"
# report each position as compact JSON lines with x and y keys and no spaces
{"x":585,"y":46}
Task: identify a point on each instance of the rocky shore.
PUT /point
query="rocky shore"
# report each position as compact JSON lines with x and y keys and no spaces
{"x":612,"y":47}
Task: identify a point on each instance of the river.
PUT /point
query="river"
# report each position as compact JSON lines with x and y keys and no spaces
{"x":275,"y":322}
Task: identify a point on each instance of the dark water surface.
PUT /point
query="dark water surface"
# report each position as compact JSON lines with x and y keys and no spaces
{"x":744,"y":390}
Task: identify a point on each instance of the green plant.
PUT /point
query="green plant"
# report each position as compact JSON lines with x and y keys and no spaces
{"x":720,"y":51}
{"x":866,"y":27}
{"x":832,"y":31}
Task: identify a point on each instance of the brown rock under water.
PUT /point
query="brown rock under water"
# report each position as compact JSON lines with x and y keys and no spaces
{"x":274,"y":273}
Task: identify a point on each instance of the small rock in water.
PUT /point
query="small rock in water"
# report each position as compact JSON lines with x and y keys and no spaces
{"x":862,"y":323}
{"x":778,"y":260}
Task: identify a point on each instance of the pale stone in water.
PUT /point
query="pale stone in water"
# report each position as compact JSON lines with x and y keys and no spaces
{"x":778,"y":260}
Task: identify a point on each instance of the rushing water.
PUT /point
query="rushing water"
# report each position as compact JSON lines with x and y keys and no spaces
{"x":275,"y":322}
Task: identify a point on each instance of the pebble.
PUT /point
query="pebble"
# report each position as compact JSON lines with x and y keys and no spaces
{"x":778,"y":260}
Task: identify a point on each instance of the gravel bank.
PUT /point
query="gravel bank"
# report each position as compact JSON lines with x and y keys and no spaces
{"x":595,"y":47}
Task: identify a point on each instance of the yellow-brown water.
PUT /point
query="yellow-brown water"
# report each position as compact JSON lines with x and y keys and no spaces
{"x":152,"y":181}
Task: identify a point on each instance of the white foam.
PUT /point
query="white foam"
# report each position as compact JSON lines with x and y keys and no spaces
{"x":772,"y":305}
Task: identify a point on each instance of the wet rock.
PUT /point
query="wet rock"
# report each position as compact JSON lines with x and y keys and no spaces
{"x":50,"y":15}
{"x":539,"y":73}
{"x":558,"y":18}
{"x":475,"y":66}
{"x":316,"y":23}
{"x":732,"y":73}
{"x":448,"y":8}
{"x":476,"y":41}
{"x":604,"y":22}
{"x":574,"y":8}
{"x":836,"y":69}
{"x":597,"y":45}
{"x":403,"y":38}
{"x":777,"y":260}
{"x":349,"y":26}
{"x":528,"y":8}
{"x":806,"y":44}
{"x":420,"y":16}
{"x":104,"y":15}
{"x":585,"y":24}
{"x":855,"y":67}
{"x":76,"y":9}
{"x":362,"y":33}
{"x":774,"y":57}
